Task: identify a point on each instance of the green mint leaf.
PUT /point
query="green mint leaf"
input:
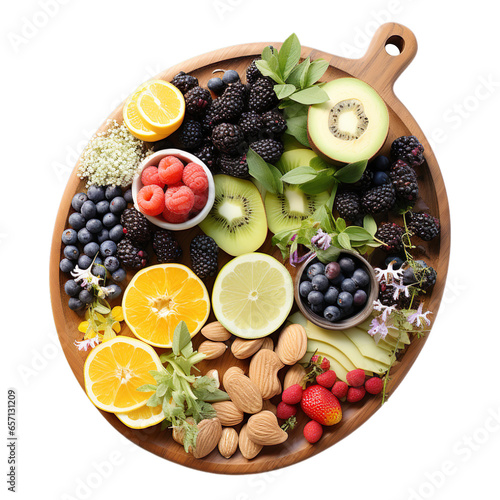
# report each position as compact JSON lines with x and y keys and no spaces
{"x":187,"y":350}
{"x":147,"y":388}
{"x":267,"y":53}
{"x":99,"y":308}
{"x":322,"y":182}
{"x":331,"y":200}
{"x":303,"y":77}
{"x":296,"y":75}
{"x":266,"y":70}
{"x":329,"y":255}
{"x":259,"y":170}
{"x":320,"y":164}
{"x":211,"y":396}
{"x":344,"y":241}
{"x":356,"y":233}
{"x":300,"y":175}
{"x":284,"y":91}
{"x":316,"y":71}
{"x":297,"y":127}
{"x":370,"y":225}
{"x":278,"y":183}
{"x":181,"y":338}
{"x":340,"y":224}
{"x":274,"y":66}
{"x":311,"y":95}
{"x":351,"y":173}
{"x":289,"y":55}
{"x":296,"y":109}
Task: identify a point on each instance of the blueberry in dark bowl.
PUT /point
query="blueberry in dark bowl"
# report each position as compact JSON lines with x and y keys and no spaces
{"x":320,"y":283}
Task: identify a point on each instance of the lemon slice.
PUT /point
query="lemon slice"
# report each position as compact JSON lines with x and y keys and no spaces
{"x":252,"y":295}
{"x":161,"y":105}
{"x":115,"y":369}
{"x":143,"y":417}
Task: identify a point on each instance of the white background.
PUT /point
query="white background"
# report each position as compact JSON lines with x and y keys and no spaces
{"x":61,"y":79}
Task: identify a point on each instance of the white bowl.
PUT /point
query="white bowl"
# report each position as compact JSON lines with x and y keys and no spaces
{"x":186,"y":157}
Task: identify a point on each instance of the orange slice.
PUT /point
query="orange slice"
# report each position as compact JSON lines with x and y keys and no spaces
{"x":143,"y":417}
{"x":159,"y":297}
{"x":115,"y":369}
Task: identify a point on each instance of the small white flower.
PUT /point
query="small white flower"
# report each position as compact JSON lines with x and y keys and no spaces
{"x":387,"y":274}
{"x":84,"y":345}
{"x":85,"y":276}
{"x":398,"y":288}
{"x":386,"y":310}
{"x":418,"y":318}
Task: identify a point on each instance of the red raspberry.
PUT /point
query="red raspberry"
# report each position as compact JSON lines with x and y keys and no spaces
{"x":173,"y":188}
{"x":340,"y":389}
{"x":174,"y":218}
{"x":284,"y":411}
{"x":374,"y":385}
{"x":313,"y":431}
{"x":292,"y":395}
{"x":180,"y":201}
{"x":326,"y":379}
{"x":150,"y":176}
{"x":170,"y":170}
{"x":195,"y":178}
{"x":151,"y":200}
{"x":355,"y":394}
{"x":325,"y":364}
{"x":355,"y":378}
{"x":200,"y":200}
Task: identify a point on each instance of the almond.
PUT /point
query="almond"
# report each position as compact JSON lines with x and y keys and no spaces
{"x":228,"y":413}
{"x":267,"y":405}
{"x":216,"y":332}
{"x":263,"y":372}
{"x":228,"y":443}
{"x":248,"y":448}
{"x":292,"y":344}
{"x":263,"y":428}
{"x":268,"y":344}
{"x":294,"y":375}
{"x":215,"y":375}
{"x":243,"y":349}
{"x":178,"y":431}
{"x":212,"y":350}
{"x":209,"y":433}
{"x":242,"y":391}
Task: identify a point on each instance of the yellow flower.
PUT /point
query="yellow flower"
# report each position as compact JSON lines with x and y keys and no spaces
{"x":82,"y":327}
{"x":117,"y":313}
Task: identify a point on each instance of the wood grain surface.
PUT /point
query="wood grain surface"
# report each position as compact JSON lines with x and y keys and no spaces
{"x":380,"y":70}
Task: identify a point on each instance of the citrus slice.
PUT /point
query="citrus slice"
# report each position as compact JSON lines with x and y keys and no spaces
{"x":159,"y":297}
{"x":145,"y":416}
{"x":252,"y":295}
{"x":115,"y":369}
{"x":161,"y":105}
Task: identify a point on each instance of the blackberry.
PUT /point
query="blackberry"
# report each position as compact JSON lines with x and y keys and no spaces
{"x":191,"y":134}
{"x":228,"y":139}
{"x":408,"y":149}
{"x":262,"y":96}
{"x":208,"y":120}
{"x":386,"y":296}
{"x":379,"y":199}
{"x":391,"y":234}
{"x":274,"y":122}
{"x":135,"y":226}
{"x":230,"y":105}
{"x":348,"y":205}
{"x":365,"y":182}
{"x":197,"y":100}
{"x":251,"y":123}
{"x":184,"y":82}
{"x":208,"y":155}
{"x":130,"y":256}
{"x":404,"y":180}
{"x":204,"y":253}
{"x":269,"y":149}
{"x":420,"y":275}
{"x":423,"y":225}
{"x":253,"y":73}
{"x":235,"y":166}
{"x":166,"y":247}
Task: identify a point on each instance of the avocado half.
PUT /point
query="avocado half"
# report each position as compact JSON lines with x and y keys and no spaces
{"x":351,"y":126}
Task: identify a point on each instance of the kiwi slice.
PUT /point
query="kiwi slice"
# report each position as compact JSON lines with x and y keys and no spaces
{"x":237,"y":221}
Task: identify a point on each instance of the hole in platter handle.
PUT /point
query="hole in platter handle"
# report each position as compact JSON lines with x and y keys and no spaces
{"x":391,"y":50}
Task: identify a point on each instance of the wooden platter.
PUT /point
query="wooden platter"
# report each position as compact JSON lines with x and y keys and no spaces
{"x":380,"y":70}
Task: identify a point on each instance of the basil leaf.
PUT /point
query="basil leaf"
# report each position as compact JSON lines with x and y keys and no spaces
{"x":369,"y":224}
{"x":259,"y":170}
{"x":297,"y":126}
{"x":303,"y":77}
{"x":316,"y":71}
{"x":351,"y":173}
{"x":344,"y":241}
{"x":358,"y":233}
{"x":331,"y":254}
{"x":296,"y":75}
{"x":331,"y":200}
{"x":278,"y":183}
{"x":320,"y":184}
{"x":296,"y":109}
{"x":312,"y":95}
{"x":266,"y":70}
{"x":284,"y":91}
{"x":320,"y":164}
{"x":340,"y":224}
{"x":300,"y":175}
{"x":181,"y":338}
{"x":289,"y":55}
{"x":267,"y":53}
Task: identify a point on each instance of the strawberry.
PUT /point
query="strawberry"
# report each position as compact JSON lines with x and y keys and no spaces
{"x":374,"y":385}
{"x":313,"y":431}
{"x":326,"y":379}
{"x":340,"y":389}
{"x":356,"y":378}
{"x":355,"y":394}
{"x":321,"y":362}
{"x":293,"y":394}
{"x":284,"y":411}
{"x":321,"y":405}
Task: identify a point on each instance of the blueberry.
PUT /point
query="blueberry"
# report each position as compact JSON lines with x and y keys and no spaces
{"x":318,"y":308}
{"x":347,"y":266}
{"x":66,"y":265}
{"x":113,"y":192}
{"x":75,"y":304}
{"x":96,"y":193}
{"x":108,"y":248}
{"x":338,"y":280}
{"x":110,"y":220}
{"x":90,"y":249}
{"x":69,"y":237}
{"x":360,"y":298}
{"x":98,"y":261}
{"x":348,"y":311}
{"x":314,"y":269}
{"x":230,"y":76}
{"x":349,"y":285}
{"x":103,"y":236}
{"x":102,"y":208}
{"x":76,"y":221}
{"x":116,"y":233}
{"x":89,"y":211}
{"x":85,"y":297}
{"x":71,"y":252}
{"x":409,"y":275}
{"x":94,"y":226}
{"x":78,"y":200}
{"x":72,"y":288}
{"x":117,"y":205}
{"x":114,"y":291}
{"x":84,"y":261}
{"x":128,"y":196}
{"x":99,"y":271}
{"x":119,"y":275}
{"x":85,"y":236}
{"x":315,"y":298}
{"x":361,"y":278}
{"x":216,"y":85}
{"x":397,"y":261}
{"x":332,"y":270}
{"x":320,"y":282}
{"x":332,"y":313}
{"x":345,"y":300}
{"x":331,"y":295}
{"x":305,"y":288}
{"x":380,"y":163}
{"x":111,"y":263}
{"x":380,"y":178}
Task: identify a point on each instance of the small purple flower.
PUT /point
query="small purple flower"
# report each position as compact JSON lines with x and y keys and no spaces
{"x":321,"y":240}
{"x":418,"y":318}
{"x":378,"y":329}
{"x":398,"y":288}
{"x":295,"y":259}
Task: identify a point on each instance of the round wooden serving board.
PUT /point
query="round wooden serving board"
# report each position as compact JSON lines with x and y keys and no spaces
{"x":380,"y":70}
